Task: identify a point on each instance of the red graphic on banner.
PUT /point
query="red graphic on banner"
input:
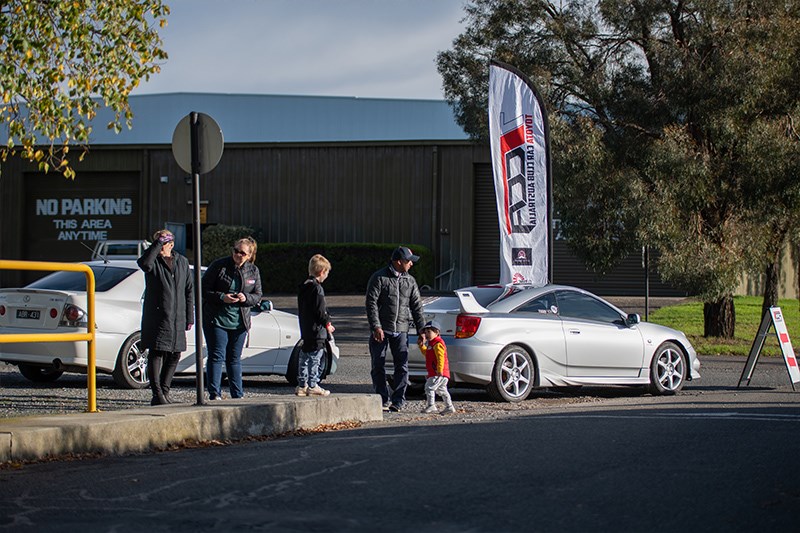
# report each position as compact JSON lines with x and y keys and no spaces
{"x":792,"y":361}
{"x":784,"y":338}
{"x":508,"y":142}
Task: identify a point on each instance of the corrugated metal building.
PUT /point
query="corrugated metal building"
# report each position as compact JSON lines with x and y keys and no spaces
{"x":300,"y":168}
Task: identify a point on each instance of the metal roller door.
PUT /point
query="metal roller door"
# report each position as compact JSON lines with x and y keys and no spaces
{"x":486,"y":232}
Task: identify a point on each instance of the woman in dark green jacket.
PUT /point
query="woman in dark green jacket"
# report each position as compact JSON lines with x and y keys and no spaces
{"x":231,"y":286}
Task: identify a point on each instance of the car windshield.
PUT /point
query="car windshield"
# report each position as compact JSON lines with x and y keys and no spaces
{"x":105,"y":278}
{"x":543,"y":304}
{"x":122,"y":249}
{"x":506,"y":292}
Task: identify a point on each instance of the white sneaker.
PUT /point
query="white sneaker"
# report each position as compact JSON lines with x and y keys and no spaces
{"x":301,"y":391}
{"x":318,"y":391}
{"x":448,"y":409}
{"x":430,"y":409}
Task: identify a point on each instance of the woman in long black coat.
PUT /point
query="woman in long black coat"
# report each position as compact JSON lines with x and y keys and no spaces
{"x":168,"y":311}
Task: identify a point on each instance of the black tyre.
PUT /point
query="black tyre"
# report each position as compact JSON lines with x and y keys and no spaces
{"x":39,"y":374}
{"x":294,"y":365}
{"x":415,"y":389}
{"x":325,"y":365}
{"x":513,"y":376}
{"x":668,"y":369}
{"x":131,"y":369}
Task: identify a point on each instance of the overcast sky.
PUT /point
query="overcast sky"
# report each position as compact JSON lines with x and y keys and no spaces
{"x":364,"y":48}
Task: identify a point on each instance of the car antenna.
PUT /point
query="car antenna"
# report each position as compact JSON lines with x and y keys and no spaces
{"x":103,"y":257}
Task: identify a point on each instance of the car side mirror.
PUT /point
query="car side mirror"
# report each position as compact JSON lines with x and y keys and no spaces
{"x":265,"y":305}
{"x":632,"y":319}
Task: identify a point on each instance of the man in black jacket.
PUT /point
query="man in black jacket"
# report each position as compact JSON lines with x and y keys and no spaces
{"x":392,"y":301}
{"x":168,"y":312}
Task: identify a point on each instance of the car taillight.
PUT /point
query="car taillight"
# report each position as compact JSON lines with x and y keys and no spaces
{"x":53,"y":312}
{"x":2,"y":310}
{"x":467,"y":326}
{"x":73,"y":316}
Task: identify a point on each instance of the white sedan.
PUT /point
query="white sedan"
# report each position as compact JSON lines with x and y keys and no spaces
{"x":57,"y":304}
{"x":515,"y":338}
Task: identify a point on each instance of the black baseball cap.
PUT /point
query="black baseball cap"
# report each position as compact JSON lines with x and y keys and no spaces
{"x":404,"y":253}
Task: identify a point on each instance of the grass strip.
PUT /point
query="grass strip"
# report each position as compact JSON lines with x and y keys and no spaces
{"x":688,"y":317}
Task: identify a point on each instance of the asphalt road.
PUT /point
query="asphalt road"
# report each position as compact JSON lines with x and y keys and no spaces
{"x":712,"y":458}
{"x":705,"y":460}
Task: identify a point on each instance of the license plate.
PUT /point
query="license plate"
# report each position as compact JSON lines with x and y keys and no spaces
{"x":32,"y":314}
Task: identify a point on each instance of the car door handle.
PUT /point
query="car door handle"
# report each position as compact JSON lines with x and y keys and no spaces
{"x":575,"y":331}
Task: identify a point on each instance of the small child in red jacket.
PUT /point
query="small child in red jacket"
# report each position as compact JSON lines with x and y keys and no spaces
{"x":435,"y":352}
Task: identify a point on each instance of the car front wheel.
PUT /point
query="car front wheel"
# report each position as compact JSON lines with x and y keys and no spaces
{"x":131,"y":369}
{"x":513,"y":375}
{"x":668,"y":370}
{"x":39,"y":374}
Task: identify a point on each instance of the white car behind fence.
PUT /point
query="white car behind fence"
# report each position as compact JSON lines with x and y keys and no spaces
{"x":57,"y":304}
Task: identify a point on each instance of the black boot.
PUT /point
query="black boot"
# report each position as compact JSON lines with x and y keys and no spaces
{"x":167,"y":371}
{"x":154,"y":362}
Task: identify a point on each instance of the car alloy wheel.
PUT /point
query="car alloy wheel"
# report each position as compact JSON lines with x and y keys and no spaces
{"x":131,"y":369}
{"x":668,"y":369}
{"x":513,"y":375}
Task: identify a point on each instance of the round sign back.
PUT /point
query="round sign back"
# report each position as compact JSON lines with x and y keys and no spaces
{"x":210,"y":143}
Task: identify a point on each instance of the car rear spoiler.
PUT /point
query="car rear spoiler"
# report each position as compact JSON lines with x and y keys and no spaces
{"x":469,"y":304}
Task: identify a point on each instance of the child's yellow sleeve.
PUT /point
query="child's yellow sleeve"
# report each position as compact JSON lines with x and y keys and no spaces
{"x":439,"y":354}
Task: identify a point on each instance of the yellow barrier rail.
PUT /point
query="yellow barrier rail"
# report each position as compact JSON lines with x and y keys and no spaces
{"x":89,"y":336}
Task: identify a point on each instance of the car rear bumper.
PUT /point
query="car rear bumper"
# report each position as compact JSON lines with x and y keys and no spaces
{"x":471,"y":361}
{"x":68,"y":354}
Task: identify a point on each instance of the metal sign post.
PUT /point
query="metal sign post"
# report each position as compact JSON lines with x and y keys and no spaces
{"x":646,"y":267}
{"x":198,"y":156}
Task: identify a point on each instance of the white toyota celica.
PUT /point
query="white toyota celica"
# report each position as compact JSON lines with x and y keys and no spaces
{"x":513,"y":339}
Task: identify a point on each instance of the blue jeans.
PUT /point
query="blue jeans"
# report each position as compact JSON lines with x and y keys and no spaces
{"x":398,"y":343}
{"x":224,"y":345}
{"x":309,"y":368}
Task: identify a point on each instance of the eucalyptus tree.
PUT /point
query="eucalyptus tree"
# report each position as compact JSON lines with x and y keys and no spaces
{"x":61,"y":60}
{"x":773,"y":167}
{"x":660,"y":109}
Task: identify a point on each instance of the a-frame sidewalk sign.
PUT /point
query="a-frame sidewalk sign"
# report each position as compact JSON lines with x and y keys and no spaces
{"x":775,"y":317}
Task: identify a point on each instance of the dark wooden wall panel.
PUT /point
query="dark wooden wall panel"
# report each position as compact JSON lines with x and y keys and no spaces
{"x":305,"y":194}
{"x":436,"y":194}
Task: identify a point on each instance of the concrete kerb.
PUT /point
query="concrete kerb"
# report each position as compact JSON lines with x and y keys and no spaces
{"x":139,"y":430}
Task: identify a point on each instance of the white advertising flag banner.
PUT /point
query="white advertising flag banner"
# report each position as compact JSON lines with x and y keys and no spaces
{"x":520,"y":161}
